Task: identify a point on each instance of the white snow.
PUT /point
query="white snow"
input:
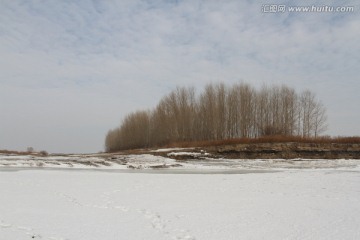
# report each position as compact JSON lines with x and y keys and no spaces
{"x":85,"y":162}
{"x":274,"y":164}
{"x":290,"y":204}
{"x":201,"y":199}
{"x":145,"y":161}
{"x":170,"y":149}
{"x":191,"y":154}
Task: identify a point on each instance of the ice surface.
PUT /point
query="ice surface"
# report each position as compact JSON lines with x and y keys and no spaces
{"x":290,"y":204}
{"x":85,"y":162}
{"x":170,"y":149}
{"x":146,"y":161}
{"x":191,"y":154}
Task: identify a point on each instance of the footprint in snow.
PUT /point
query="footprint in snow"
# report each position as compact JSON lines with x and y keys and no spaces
{"x":5,"y":225}
{"x":122,"y":208}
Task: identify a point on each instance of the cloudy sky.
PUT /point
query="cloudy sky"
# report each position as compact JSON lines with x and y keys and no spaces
{"x":71,"y":70}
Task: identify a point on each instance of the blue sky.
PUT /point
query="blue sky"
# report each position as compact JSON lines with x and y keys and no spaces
{"x":71,"y":70}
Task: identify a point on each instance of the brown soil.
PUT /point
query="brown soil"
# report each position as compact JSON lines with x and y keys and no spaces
{"x":288,"y":150}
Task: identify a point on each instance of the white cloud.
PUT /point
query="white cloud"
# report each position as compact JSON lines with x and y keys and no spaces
{"x":86,"y":64}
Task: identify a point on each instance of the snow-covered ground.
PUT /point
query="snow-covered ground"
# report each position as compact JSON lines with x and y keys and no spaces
{"x":309,"y":201}
{"x":149,"y":161}
{"x":86,"y":162}
{"x":171,"y":149}
{"x":296,"y":204}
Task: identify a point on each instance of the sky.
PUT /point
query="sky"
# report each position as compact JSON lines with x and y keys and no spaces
{"x":71,"y":70}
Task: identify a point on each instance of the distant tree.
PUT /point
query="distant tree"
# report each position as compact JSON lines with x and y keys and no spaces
{"x":319,"y":119}
{"x":311,"y":115}
{"x":30,"y":149}
{"x":44,"y":153}
{"x":221,"y":112}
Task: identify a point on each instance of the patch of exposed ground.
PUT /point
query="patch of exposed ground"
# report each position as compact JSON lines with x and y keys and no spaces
{"x":291,"y":150}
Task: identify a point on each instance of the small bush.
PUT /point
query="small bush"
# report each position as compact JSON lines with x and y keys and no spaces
{"x":30,"y":149}
{"x":44,"y":153}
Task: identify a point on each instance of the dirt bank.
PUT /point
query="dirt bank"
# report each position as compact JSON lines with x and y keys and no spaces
{"x":287,"y":151}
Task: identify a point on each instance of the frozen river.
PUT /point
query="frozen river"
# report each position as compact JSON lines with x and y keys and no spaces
{"x":108,"y":204}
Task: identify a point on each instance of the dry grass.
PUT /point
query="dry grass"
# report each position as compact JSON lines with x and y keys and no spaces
{"x":14,"y":152}
{"x":41,"y":153}
{"x":267,"y":139}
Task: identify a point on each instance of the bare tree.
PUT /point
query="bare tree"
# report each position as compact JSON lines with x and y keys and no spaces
{"x":320,"y":119}
{"x":312,"y":115}
{"x":233,"y":113}
{"x":288,"y":104}
{"x":30,"y":149}
{"x":207,"y":111}
{"x":221,"y":112}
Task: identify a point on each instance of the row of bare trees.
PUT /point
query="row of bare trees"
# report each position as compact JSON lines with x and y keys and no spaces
{"x":221,"y":112}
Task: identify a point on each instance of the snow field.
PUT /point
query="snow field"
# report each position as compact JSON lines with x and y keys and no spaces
{"x":148,"y":161}
{"x":293,"y":204}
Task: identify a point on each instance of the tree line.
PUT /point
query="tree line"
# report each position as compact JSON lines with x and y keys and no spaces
{"x":221,"y":112}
